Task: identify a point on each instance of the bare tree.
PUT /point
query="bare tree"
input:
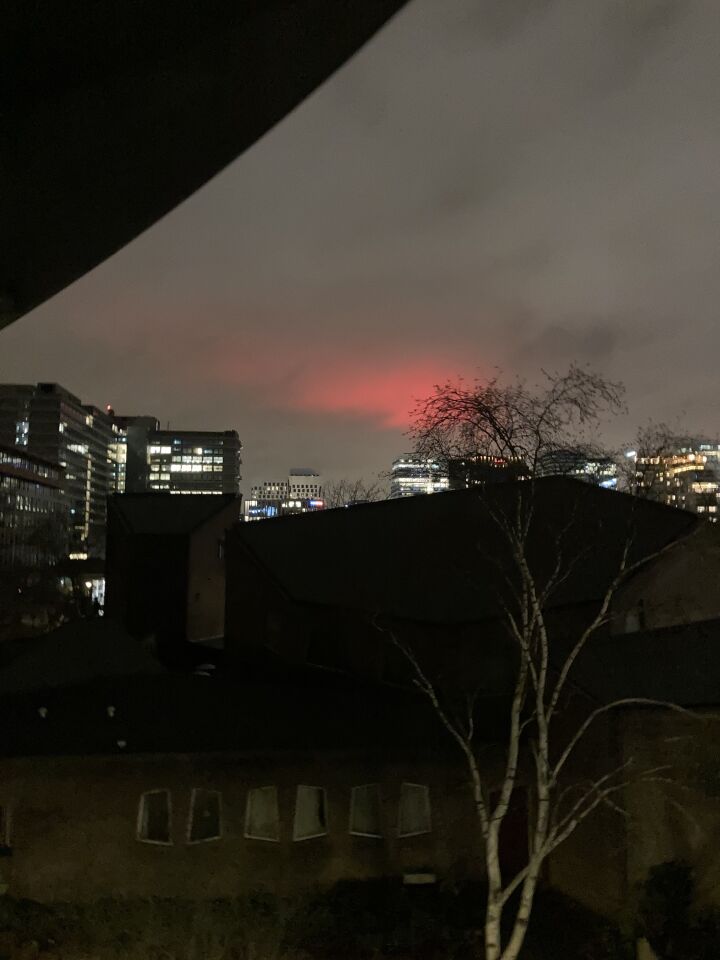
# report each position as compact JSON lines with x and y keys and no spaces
{"x":343,"y":493}
{"x":547,"y":724}
{"x":644,"y":466}
{"x":514,"y":422}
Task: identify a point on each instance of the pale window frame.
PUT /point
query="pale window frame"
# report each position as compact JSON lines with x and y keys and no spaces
{"x":428,"y":809}
{"x":312,"y":836}
{"x":360,"y":833}
{"x":246,"y":826}
{"x":191,"y":809}
{"x":138,"y":831}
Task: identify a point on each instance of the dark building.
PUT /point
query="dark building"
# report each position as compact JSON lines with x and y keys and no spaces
{"x":50,"y":422}
{"x":288,"y":767}
{"x":209,"y":785}
{"x":129,"y":451}
{"x":194,"y":461}
{"x":466,"y":472}
{"x":165,"y":569}
{"x":314,"y":588}
{"x":32,"y":510}
{"x":580,"y":464}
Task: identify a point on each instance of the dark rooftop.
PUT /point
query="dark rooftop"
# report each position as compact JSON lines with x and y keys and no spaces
{"x":75,"y":653}
{"x":437,"y":558}
{"x":166,"y":513}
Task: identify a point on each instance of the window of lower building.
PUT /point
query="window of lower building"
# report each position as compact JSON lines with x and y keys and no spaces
{"x":5,"y":838}
{"x":154,"y":817}
{"x":310,"y":813}
{"x":205,"y":819}
{"x":366,"y":811}
{"x":262,"y":816}
{"x":414,"y":812}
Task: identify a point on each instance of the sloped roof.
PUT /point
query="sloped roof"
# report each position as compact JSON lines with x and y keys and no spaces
{"x":441,"y":558}
{"x":75,"y":653}
{"x":164,"y":513}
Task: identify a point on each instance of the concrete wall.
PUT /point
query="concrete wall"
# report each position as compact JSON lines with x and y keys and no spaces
{"x":679,"y":588}
{"x":677,"y":814}
{"x":74,"y":821}
{"x":206,"y":576}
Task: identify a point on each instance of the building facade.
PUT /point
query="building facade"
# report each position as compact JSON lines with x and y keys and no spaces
{"x":129,"y":451}
{"x":50,"y":422}
{"x":166,"y":566}
{"x":302,"y":492}
{"x":581,"y":465}
{"x":194,"y":461}
{"x":466,"y":472}
{"x":687,"y":477}
{"x":32,"y":510}
{"x":412,"y":474}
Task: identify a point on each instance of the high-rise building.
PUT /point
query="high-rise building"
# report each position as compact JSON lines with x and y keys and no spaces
{"x":301,"y":483}
{"x":50,"y":422}
{"x":129,"y":451}
{"x":581,"y":464}
{"x":33,"y":520}
{"x":194,"y":461}
{"x":685,"y":476}
{"x":305,"y":484}
{"x":412,"y":474}
{"x":301,"y":492}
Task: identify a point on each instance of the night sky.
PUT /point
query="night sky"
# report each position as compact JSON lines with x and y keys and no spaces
{"x":486,"y":184}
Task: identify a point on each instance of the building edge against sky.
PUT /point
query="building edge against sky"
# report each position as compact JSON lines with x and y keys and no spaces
{"x":91,"y":454}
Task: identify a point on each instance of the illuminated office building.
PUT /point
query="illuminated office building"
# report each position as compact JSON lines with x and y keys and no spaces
{"x":129,"y":451}
{"x":49,"y":422}
{"x":33,"y":526}
{"x":412,"y":474}
{"x":194,"y":461}
{"x":687,"y":476}
{"x":593,"y":468}
{"x":301,"y":492}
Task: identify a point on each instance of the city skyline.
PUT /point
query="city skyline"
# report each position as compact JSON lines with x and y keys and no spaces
{"x":539,"y":194}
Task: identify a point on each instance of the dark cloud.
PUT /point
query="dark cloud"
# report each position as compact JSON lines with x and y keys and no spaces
{"x":486,"y":184}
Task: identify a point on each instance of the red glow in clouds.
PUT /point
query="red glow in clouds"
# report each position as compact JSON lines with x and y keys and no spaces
{"x":326,"y":382}
{"x":387,"y":395}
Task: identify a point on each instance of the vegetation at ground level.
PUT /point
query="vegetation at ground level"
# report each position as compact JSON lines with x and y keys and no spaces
{"x":672,"y":920}
{"x":372,"y":920}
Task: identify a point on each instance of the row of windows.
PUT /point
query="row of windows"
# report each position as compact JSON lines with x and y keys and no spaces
{"x":164,"y":450}
{"x":262,"y":814}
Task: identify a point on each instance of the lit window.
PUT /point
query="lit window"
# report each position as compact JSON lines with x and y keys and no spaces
{"x":154,"y":817}
{"x":414,"y":813}
{"x":366,"y":811}
{"x":262,"y":816}
{"x":204,"y":822}
{"x":310,"y":813}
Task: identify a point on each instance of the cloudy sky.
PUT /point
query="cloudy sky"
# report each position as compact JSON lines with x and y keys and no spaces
{"x":486,"y":184}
